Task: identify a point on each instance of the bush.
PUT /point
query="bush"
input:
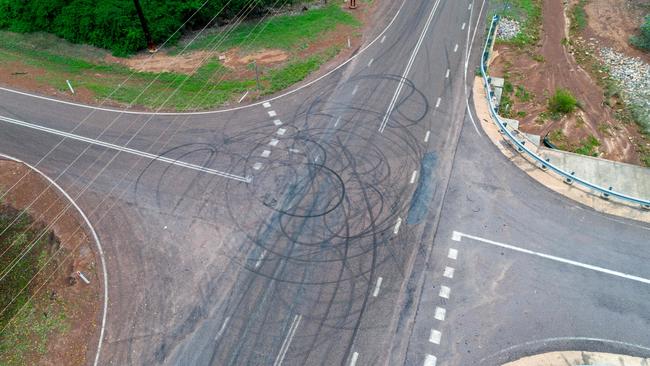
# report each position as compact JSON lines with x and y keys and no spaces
{"x":562,"y":102}
{"x":114,"y":24}
{"x":642,"y":41}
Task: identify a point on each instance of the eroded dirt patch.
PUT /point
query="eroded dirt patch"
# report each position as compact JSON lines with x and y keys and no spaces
{"x":56,"y":290}
{"x":550,"y":65}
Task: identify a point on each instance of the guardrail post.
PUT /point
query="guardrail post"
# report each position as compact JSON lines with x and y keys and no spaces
{"x":543,"y":166}
{"x":568,"y":180}
{"x":605,"y":195}
{"x":646,"y":207}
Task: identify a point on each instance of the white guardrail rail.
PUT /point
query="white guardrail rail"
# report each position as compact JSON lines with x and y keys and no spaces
{"x":521,"y":144}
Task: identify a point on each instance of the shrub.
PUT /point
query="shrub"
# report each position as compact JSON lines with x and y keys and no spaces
{"x":562,"y":102}
{"x":642,"y":40}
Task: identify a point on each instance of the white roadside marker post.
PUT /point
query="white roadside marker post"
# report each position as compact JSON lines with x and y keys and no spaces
{"x":83,"y":278}
{"x":70,"y":86}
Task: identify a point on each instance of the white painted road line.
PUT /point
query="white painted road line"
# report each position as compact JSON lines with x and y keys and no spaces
{"x":438,"y":102}
{"x":287,"y":341}
{"x":277,"y":122}
{"x":272,"y":114}
{"x":223,"y":327}
{"x":356,"y":88}
{"x":447,"y":74}
{"x":430,"y":360}
{"x":435,"y":336}
{"x":353,"y":360}
{"x":260,"y":259}
{"x":281,"y":131}
{"x":449,"y":272}
{"x":257,"y":166}
{"x":266,"y":105}
{"x":444,"y":292}
{"x":463,"y":27}
{"x":382,"y":39}
{"x":274,"y":142}
{"x":397,"y":225}
{"x":126,"y":150}
{"x":557,"y":259}
{"x":469,"y":7}
{"x":337,"y":121}
{"x":453,"y":254}
{"x":266,"y":153}
{"x":456,"y":48}
{"x":242,"y":97}
{"x":377,"y":287}
{"x":440,"y":313}
{"x":426,"y":136}
{"x":413,"y":176}
{"x":407,"y":70}
{"x":370,"y":62}
{"x":294,"y":150}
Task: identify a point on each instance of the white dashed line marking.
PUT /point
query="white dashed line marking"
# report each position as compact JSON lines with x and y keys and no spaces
{"x":426,"y":136}
{"x":438,"y":102}
{"x":260,"y":259}
{"x":223,"y":327}
{"x":440,"y":313}
{"x":463,"y":27}
{"x":272,"y":114}
{"x":353,"y":360}
{"x":453,"y":253}
{"x":456,"y":48}
{"x":430,"y":360}
{"x":469,"y":7}
{"x":356,"y":88}
{"x":455,"y":236}
{"x":294,"y":150}
{"x":382,"y":39}
{"x":257,"y":166}
{"x":277,"y":122}
{"x":377,"y":287}
{"x":266,"y":153}
{"x":444,"y":292}
{"x":413,"y":176}
{"x":447,"y":74}
{"x":281,"y":131}
{"x":266,"y":105}
{"x":435,"y":336}
{"x":274,"y":142}
{"x":397,"y":225}
{"x":370,"y":62}
{"x":337,"y":121}
{"x":449,"y":272}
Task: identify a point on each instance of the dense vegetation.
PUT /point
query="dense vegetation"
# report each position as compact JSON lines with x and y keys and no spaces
{"x":114,"y":24}
{"x":562,"y":102}
{"x":642,"y":40}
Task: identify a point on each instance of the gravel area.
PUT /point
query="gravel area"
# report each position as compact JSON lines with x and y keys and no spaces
{"x":634,"y":77}
{"x":508,"y":29}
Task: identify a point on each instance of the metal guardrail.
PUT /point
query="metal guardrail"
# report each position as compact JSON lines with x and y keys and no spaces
{"x":521,"y":145}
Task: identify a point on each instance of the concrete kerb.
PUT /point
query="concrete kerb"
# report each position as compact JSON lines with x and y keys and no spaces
{"x":539,"y":168}
{"x":98,"y":244}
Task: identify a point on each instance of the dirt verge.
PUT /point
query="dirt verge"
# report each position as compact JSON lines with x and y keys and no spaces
{"x":56,"y":289}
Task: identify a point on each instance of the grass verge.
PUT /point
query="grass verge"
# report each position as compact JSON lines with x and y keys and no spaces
{"x":529,"y":15}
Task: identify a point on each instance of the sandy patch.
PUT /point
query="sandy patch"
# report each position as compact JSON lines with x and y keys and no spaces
{"x":162,"y":62}
{"x":575,"y":358}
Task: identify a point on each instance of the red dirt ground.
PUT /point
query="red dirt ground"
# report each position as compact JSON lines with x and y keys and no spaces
{"x":82,"y":302}
{"x":559,"y":69}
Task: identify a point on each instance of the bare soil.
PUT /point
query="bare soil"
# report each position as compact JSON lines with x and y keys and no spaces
{"x":559,"y":69}
{"x":82,"y":301}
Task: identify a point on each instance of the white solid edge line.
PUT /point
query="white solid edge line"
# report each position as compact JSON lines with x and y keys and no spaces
{"x":559,"y":259}
{"x":382,"y":34}
{"x":409,"y":65}
{"x":468,"y":50}
{"x":223,"y":327}
{"x":426,"y":136}
{"x":377,"y":287}
{"x":397,"y":225}
{"x":287,"y":341}
{"x":126,"y":149}
{"x":97,"y":242}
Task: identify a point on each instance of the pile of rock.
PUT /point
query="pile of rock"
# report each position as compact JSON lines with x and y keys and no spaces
{"x":633,"y":75}
{"x":508,"y":29}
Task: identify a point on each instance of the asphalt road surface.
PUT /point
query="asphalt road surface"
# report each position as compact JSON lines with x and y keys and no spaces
{"x":362,"y":220}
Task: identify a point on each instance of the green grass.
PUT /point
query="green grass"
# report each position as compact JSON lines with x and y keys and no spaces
{"x":284,"y":32}
{"x":562,"y":102}
{"x":579,"y":16}
{"x":31,"y":326}
{"x":529,"y":15}
{"x":588,"y":146}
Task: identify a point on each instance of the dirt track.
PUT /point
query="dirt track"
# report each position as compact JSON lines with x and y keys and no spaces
{"x":559,"y":69}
